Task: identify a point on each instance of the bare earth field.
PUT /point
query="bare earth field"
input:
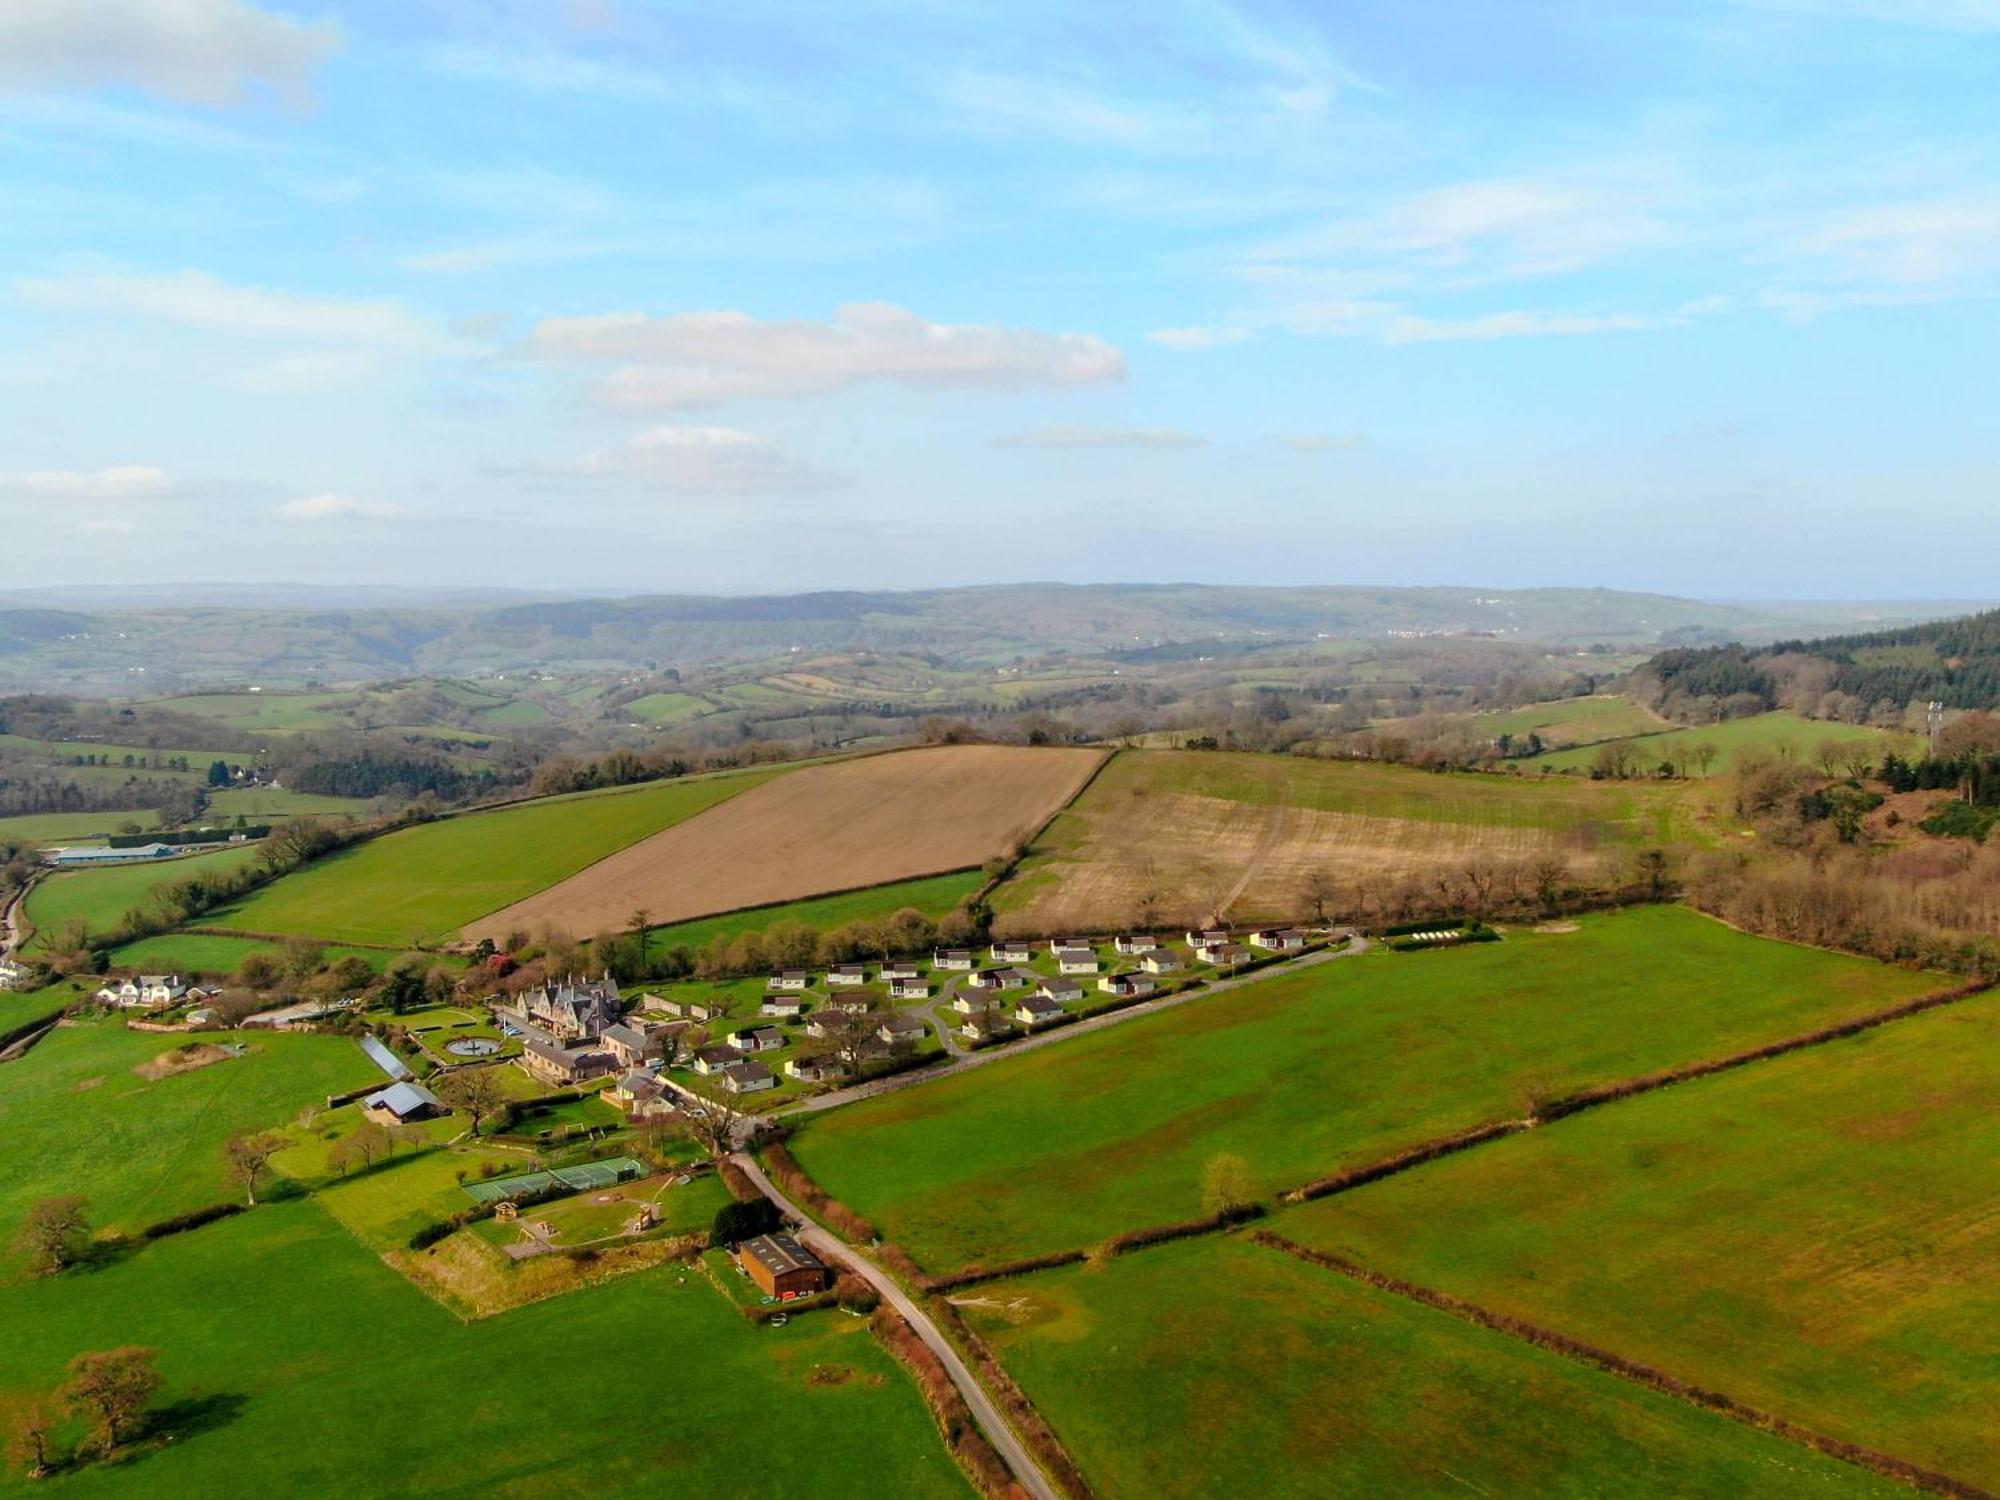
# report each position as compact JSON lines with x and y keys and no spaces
{"x":826,"y":828}
{"x":1213,"y":833}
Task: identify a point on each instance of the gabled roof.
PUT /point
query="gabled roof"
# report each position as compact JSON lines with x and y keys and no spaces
{"x":779,"y":1253}
{"x":404,"y":1099}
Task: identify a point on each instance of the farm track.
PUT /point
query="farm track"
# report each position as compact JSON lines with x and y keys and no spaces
{"x":984,"y":1410}
{"x":1616,"y":1364}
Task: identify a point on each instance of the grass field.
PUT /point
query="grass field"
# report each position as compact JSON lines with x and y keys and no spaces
{"x":75,"y":1118}
{"x":72,"y":828}
{"x":1767,"y":734}
{"x":272,"y":803}
{"x":853,"y":823}
{"x":1205,"y":831}
{"x":100,"y":897}
{"x":1818,"y":1235}
{"x":265,"y":711}
{"x":1572,"y":721}
{"x":208,"y":953}
{"x":664,"y":708}
{"x":1165,"y":1369}
{"x":1306,"y":1073}
{"x":426,"y":882}
{"x":298,"y":1364}
{"x":933,"y":896}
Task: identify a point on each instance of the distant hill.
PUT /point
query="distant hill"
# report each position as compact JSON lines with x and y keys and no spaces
{"x":80,"y":641}
{"x":1855,"y":677}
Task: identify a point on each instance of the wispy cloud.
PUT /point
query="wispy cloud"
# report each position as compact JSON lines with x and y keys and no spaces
{"x":207,"y":52}
{"x":1499,"y":229}
{"x":704,"y":460}
{"x":703,"y":359}
{"x":333,"y":507}
{"x":1928,"y":242}
{"x":123,"y":482}
{"x":206,"y":303}
{"x":1319,"y":442}
{"x":1061,"y":435}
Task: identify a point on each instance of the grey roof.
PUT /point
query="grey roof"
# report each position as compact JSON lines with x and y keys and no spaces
{"x":1035,"y":1005}
{"x":404,"y":1099}
{"x":747,"y":1072}
{"x":904,"y":1026}
{"x":778,"y":1253}
{"x":717,"y":1054}
{"x":626,"y":1036}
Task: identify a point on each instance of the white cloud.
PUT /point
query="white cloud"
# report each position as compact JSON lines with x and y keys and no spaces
{"x":330,"y":507}
{"x":1015,"y":104}
{"x":1925,"y":242}
{"x":207,"y":304}
{"x":1504,"y":228}
{"x":103,"y":527}
{"x":1059,"y":435}
{"x":1319,"y":442}
{"x":1408,"y":328}
{"x":124,"y":482}
{"x":208,"y":52}
{"x":705,"y":460}
{"x":1198,"y":337}
{"x":711,"y":358}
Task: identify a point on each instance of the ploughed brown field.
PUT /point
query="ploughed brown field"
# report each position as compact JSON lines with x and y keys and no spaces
{"x":825,"y":828}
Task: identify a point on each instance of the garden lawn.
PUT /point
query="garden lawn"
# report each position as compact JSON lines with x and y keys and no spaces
{"x":298,"y":1364}
{"x":1165,"y":1369}
{"x":1311,"y":1071}
{"x":933,"y":896}
{"x":75,"y":1118}
{"x":422,"y":883}
{"x":385,"y":1205}
{"x":1818,"y":1235}
{"x":100,"y":897}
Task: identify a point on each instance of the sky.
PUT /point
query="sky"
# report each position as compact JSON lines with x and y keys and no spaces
{"x":1695,"y":297}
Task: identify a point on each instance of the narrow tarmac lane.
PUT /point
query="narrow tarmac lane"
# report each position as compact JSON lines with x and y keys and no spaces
{"x":830,"y":1247}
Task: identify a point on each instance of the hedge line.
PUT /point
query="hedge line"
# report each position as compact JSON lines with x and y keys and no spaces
{"x":1029,"y":1423}
{"x":790,"y":1176}
{"x":194,"y":1218}
{"x":1186,"y":1229}
{"x":1606,"y":1093}
{"x":987,"y":1470}
{"x":973,"y":1275}
{"x":1617,"y":1364}
{"x":1402,"y":1161}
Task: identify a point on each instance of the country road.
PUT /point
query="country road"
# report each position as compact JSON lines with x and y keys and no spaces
{"x":830,"y":1247}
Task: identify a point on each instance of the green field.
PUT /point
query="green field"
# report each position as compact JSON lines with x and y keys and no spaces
{"x":261,"y":804}
{"x":1572,"y":721}
{"x":208,"y":953}
{"x":265,"y":711}
{"x":298,"y":1364}
{"x":75,"y":1118}
{"x":1818,"y":1235}
{"x":424,"y":883}
{"x":1163,"y":1370}
{"x":1306,"y":1073}
{"x":100,"y":897}
{"x":71,"y":828}
{"x":664,"y":708}
{"x":932,"y":895}
{"x":1766,"y":734}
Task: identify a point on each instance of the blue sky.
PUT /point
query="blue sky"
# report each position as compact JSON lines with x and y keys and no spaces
{"x":1695,"y":297}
